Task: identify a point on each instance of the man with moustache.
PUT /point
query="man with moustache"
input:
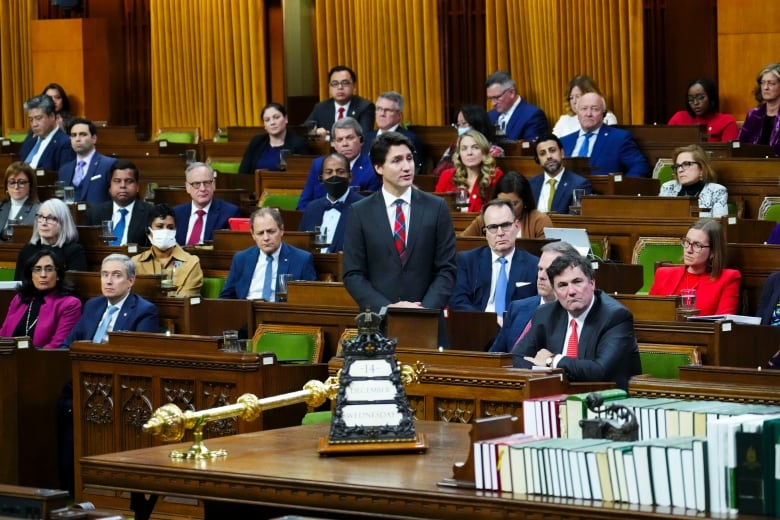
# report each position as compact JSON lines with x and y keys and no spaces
{"x":553,"y":188}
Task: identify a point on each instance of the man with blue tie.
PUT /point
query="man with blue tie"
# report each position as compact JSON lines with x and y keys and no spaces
{"x":512,"y":115}
{"x":90,"y":172}
{"x":254,"y":271}
{"x":553,"y":188}
{"x":118,"y":309}
{"x":610,"y":149}
{"x":490,"y":277}
{"x":46,"y":147}
{"x":329,"y":213}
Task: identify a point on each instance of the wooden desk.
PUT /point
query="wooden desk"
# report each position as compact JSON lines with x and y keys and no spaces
{"x":632,"y":206}
{"x":675,"y":134}
{"x":527,"y":167}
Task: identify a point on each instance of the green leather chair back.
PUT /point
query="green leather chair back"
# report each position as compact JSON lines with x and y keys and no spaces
{"x":176,"y":136}
{"x":650,"y":250}
{"x":665,"y":365}
{"x":16,"y":136}
{"x":225,"y":166}
{"x":7,"y":274}
{"x":281,"y":200}
{"x":317,"y":417}
{"x":772,"y":213}
{"x":288,"y":346}
{"x":665,"y":174}
{"x":212,"y":286}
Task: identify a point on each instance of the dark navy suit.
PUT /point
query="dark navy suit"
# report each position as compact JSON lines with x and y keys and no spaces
{"x":419,"y":155}
{"x":472,"y":282}
{"x":363,"y":175}
{"x":517,"y":316}
{"x":137,"y":314}
{"x":614,"y":151}
{"x":527,"y":122}
{"x":312,"y":216}
{"x":770,"y":294}
{"x":607,"y":343}
{"x":94,"y":187}
{"x":363,"y":110}
{"x":217,"y":218}
{"x":566,"y":185}
{"x":57,"y":153}
{"x":260,"y":143}
{"x":292,"y":260}
{"x":139,"y":220}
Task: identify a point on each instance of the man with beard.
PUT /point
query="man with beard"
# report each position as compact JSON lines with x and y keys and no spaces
{"x":553,"y":189}
{"x":330,"y":212}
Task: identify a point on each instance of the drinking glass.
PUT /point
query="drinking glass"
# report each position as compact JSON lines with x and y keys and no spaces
{"x":230,"y":340}
{"x":69,"y":195}
{"x":281,"y":287}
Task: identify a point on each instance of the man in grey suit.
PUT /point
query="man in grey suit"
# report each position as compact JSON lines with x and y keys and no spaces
{"x":587,"y":333}
{"x":90,"y":173}
{"x":383,"y":264}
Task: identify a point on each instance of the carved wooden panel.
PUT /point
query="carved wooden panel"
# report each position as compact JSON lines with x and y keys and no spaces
{"x":135,"y":408}
{"x":494,"y":408}
{"x":97,"y":394}
{"x":219,"y":394}
{"x":455,"y":410}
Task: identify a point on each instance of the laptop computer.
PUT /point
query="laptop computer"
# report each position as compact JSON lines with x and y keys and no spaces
{"x":577,"y":237}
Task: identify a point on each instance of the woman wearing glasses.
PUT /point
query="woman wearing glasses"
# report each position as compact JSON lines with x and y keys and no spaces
{"x":703,"y":270}
{"x":694,"y":177}
{"x":54,"y":229}
{"x":701,"y":108}
{"x":21,"y":200}
{"x":44,"y":307}
{"x":762,"y":126}
{"x":264,"y":151}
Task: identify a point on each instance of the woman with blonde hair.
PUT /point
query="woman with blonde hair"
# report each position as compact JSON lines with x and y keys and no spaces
{"x":578,"y":86}
{"x":762,"y":126}
{"x":694,"y":177}
{"x":475,"y":171}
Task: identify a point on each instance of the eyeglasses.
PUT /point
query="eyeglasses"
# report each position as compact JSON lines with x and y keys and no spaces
{"x":696,"y":246}
{"x":49,"y":219}
{"x":698,"y":98}
{"x":768,"y":83}
{"x":48,"y":269}
{"x":493,"y":228}
{"x":382,"y":110}
{"x":344,"y":83}
{"x":464,"y":124}
{"x":496,"y":98}
{"x":683,"y":165}
{"x":198,"y":184}
{"x":21,"y":184}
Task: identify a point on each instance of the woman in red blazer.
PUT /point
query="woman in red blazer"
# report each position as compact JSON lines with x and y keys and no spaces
{"x":717,"y":289}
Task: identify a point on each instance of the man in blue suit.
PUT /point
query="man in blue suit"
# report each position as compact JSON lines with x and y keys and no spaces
{"x":330,"y":212}
{"x":254,"y":275}
{"x":205,"y":213}
{"x":90,"y":172}
{"x":512,"y":115}
{"x":518,"y":314}
{"x":555,"y":180}
{"x":389,"y":114}
{"x":46,"y":147}
{"x":346,"y":138}
{"x":610,"y":149}
{"x":489,"y":277}
{"x":118,"y":309}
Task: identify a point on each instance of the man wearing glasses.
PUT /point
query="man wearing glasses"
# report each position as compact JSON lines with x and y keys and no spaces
{"x":389,"y":115}
{"x":204,"y":213}
{"x":342,"y":103}
{"x":513,"y":117}
{"x":492,"y":276}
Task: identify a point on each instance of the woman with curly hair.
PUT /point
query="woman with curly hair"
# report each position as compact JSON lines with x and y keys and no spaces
{"x":475,"y":170}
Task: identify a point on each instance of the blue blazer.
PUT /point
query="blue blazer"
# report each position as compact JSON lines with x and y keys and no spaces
{"x":94,"y":187}
{"x":292,"y":260}
{"x":517,"y":316}
{"x":614,"y":151}
{"x":607,"y":343}
{"x":363,"y":175}
{"x":137,"y":315}
{"x":57,"y":153}
{"x":472,"y":282}
{"x":217,"y":218}
{"x":419,"y":151}
{"x":527,"y":122}
{"x":770,"y":294}
{"x":562,"y":199}
{"x":312,"y":216}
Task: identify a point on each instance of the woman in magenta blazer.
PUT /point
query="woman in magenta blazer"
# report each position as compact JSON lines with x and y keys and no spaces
{"x":43,"y":308}
{"x":717,"y":289}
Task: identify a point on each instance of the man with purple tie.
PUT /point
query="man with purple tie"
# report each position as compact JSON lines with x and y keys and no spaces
{"x":90,"y":172}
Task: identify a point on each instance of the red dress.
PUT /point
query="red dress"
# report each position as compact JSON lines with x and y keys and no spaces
{"x":718,"y":296}
{"x":445,"y":185}
{"x":720,"y":127}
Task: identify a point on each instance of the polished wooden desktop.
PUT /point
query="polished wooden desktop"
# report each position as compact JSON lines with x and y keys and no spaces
{"x":281,"y":470}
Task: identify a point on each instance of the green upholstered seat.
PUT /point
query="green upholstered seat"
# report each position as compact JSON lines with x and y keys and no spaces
{"x":317,"y":417}
{"x":211,"y":287}
{"x":177,"y":136}
{"x":663,"y":365}
{"x":650,"y":250}
{"x":7,"y":274}
{"x":224,"y":165}
{"x":16,"y":136}
{"x":771,"y":212}
{"x":291,"y":343}
{"x":287,"y":201}
{"x":665,"y":174}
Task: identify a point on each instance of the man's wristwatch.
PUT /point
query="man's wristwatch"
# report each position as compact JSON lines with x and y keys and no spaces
{"x":548,"y":362}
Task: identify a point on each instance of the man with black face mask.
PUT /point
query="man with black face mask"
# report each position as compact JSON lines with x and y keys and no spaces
{"x":330,"y":212}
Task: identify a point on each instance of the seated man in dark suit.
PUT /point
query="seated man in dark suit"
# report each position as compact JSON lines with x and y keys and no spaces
{"x":129,"y":214}
{"x":389,"y":114}
{"x":610,"y":149}
{"x":517,"y":318}
{"x":587,"y":333}
{"x":90,"y":172}
{"x":198,"y":219}
{"x":46,"y":146}
{"x":553,"y":188}
{"x":118,"y":309}
{"x":346,"y":138}
{"x":489,"y":277}
{"x":254,"y":271}
{"x":511,"y":114}
{"x":330,"y":212}
{"x":342,"y":103}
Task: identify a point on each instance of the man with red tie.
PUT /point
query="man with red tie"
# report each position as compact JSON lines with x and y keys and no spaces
{"x":587,"y":333}
{"x":205,"y":213}
{"x":343,"y":102}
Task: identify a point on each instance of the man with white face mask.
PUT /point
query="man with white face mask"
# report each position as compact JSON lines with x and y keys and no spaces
{"x":166,"y":256}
